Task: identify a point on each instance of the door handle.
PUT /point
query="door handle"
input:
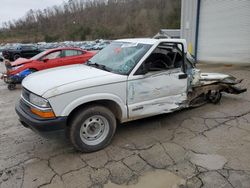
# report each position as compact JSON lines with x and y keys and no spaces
{"x":183,"y":76}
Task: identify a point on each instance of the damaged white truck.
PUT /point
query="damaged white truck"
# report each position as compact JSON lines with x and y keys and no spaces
{"x":130,"y":79}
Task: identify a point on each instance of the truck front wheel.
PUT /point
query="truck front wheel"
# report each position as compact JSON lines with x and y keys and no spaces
{"x":92,"y":128}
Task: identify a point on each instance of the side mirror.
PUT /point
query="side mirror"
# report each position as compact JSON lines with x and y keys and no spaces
{"x":45,"y":60}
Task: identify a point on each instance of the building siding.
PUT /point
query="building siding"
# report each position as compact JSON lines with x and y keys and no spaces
{"x":224,"y":30}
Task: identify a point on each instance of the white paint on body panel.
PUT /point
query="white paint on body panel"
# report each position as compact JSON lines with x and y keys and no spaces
{"x":156,"y":93}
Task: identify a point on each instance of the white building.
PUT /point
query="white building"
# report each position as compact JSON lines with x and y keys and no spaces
{"x":217,"y":30}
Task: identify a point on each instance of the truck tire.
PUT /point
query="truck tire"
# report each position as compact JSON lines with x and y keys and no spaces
{"x":214,"y":97}
{"x":16,"y":56}
{"x":92,"y":128}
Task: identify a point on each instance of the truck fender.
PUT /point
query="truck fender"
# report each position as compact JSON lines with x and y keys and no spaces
{"x":92,"y":98}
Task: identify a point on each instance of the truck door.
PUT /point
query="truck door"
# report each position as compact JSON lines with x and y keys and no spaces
{"x":160,"y":83}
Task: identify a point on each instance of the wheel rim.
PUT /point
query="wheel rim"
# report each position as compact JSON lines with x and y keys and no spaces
{"x":11,"y":86}
{"x":215,"y":96}
{"x":94,"y":130}
{"x":16,"y":57}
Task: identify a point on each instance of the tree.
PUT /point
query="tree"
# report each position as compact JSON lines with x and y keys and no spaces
{"x":91,"y":19}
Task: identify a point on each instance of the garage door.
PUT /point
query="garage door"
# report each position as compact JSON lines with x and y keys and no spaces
{"x":224,"y":31}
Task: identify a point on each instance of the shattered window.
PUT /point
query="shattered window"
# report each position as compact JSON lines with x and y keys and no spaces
{"x":121,"y":57}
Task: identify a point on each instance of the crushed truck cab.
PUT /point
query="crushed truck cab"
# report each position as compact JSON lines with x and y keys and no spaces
{"x":129,"y":79}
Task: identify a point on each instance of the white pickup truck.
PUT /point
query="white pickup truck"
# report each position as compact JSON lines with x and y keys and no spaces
{"x":129,"y":79}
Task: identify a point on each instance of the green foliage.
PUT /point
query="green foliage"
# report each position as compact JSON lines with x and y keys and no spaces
{"x":50,"y":38}
{"x":78,"y":32}
{"x":102,"y":32}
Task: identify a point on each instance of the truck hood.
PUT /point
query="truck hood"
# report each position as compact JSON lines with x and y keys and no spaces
{"x":52,"y":82}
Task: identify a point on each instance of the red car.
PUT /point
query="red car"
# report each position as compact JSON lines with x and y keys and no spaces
{"x":50,"y":59}
{"x":19,"y":69}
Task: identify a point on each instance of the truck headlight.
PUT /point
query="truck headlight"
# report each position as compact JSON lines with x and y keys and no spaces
{"x":38,"y":101}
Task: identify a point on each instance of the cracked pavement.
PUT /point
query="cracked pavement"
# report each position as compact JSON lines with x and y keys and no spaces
{"x":207,"y":147}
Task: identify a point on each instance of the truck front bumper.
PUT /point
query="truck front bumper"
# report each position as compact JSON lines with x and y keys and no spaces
{"x":37,"y":124}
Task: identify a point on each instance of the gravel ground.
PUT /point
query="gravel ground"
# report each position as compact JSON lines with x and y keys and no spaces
{"x":207,"y":146}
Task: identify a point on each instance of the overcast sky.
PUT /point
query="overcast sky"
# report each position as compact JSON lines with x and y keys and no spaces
{"x":14,"y":9}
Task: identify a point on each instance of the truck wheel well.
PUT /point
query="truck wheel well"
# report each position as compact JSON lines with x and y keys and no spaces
{"x":111,"y":105}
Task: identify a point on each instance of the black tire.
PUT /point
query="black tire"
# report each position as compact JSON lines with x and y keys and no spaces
{"x":11,"y":87}
{"x":78,"y":121}
{"x":16,"y":56}
{"x":214,"y":97}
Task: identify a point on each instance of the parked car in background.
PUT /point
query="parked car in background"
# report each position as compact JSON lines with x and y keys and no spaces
{"x":25,"y":51}
{"x":129,"y":79}
{"x":22,"y":67}
{"x":42,"y":46}
{"x":100,"y":46}
{"x":1,"y":56}
{"x":88,"y":46}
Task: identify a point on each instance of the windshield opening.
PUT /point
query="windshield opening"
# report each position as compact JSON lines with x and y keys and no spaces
{"x":120,"y":57}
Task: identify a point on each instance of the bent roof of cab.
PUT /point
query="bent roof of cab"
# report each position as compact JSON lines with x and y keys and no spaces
{"x":150,"y":40}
